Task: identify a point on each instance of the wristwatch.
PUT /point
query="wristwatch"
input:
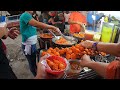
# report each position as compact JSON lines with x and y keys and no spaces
{"x":94,"y":46}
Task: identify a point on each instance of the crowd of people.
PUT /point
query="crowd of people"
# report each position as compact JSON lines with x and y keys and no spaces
{"x":70,"y":20}
{"x":57,"y":22}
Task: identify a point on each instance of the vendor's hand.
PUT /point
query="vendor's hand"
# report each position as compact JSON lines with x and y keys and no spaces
{"x":85,"y":60}
{"x":13,"y":33}
{"x":57,"y":30}
{"x":87,"y":44}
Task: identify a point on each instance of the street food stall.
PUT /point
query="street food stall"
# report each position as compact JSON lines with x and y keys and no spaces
{"x":73,"y":52}
{"x":65,"y":52}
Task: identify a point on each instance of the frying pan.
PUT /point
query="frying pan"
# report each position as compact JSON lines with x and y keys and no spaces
{"x":64,"y":45}
{"x":46,"y":38}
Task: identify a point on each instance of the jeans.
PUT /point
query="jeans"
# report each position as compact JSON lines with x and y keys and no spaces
{"x":32,"y":58}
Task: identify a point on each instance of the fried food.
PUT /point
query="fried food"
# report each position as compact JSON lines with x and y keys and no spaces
{"x":62,"y":41}
{"x":75,"y":65}
{"x":79,"y":35}
{"x":73,"y":52}
{"x":46,"y":35}
{"x":55,"y":64}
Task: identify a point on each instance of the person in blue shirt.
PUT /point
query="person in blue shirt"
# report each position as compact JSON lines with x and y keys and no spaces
{"x":28,"y":30}
{"x":90,"y":21}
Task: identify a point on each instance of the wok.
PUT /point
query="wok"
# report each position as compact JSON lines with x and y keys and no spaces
{"x":64,"y":45}
{"x":44,"y":38}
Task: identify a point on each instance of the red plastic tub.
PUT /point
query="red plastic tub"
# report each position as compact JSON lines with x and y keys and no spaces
{"x":55,"y":72}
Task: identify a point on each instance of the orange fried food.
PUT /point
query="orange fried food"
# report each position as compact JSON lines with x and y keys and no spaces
{"x":53,"y":51}
{"x":55,"y":64}
{"x":57,"y":54}
{"x":55,"y":67}
{"x":43,"y":53}
{"x":56,"y":61}
{"x":103,"y":54}
{"x":69,"y":52}
{"x":62,"y":41}
{"x":79,"y":35}
{"x":78,"y":46}
{"x":51,"y":48}
{"x":68,"y":56}
{"x":57,"y":49}
{"x":51,"y":54}
{"x":62,"y":51}
{"x":73,"y":56}
{"x":81,"y":48}
{"x":61,"y":66}
{"x":84,"y":52}
{"x":77,"y":51}
{"x":73,"y":48}
{"x":50,"y":63}
{"x":48,"y":51}
{"x":73,"y":52}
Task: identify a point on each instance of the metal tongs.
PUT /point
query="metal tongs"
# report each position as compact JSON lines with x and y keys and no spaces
{"x":53,"y":34}
{"x":67,"y":38}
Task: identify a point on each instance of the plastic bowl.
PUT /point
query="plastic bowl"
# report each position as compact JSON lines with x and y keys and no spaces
{"x":55,"y":72}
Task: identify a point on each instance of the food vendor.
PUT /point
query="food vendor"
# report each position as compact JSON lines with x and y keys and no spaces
{"x":76,"y":19}
{"x":107,"y":70}
{"x":59,"y":21}
{"x":29,"y":37}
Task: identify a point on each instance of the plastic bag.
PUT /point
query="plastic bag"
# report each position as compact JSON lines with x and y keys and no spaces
{"x":54,"y":72}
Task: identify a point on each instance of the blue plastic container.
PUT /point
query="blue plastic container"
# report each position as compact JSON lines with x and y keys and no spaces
{"x":2,"y":18}
{"x":90,"y":20}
